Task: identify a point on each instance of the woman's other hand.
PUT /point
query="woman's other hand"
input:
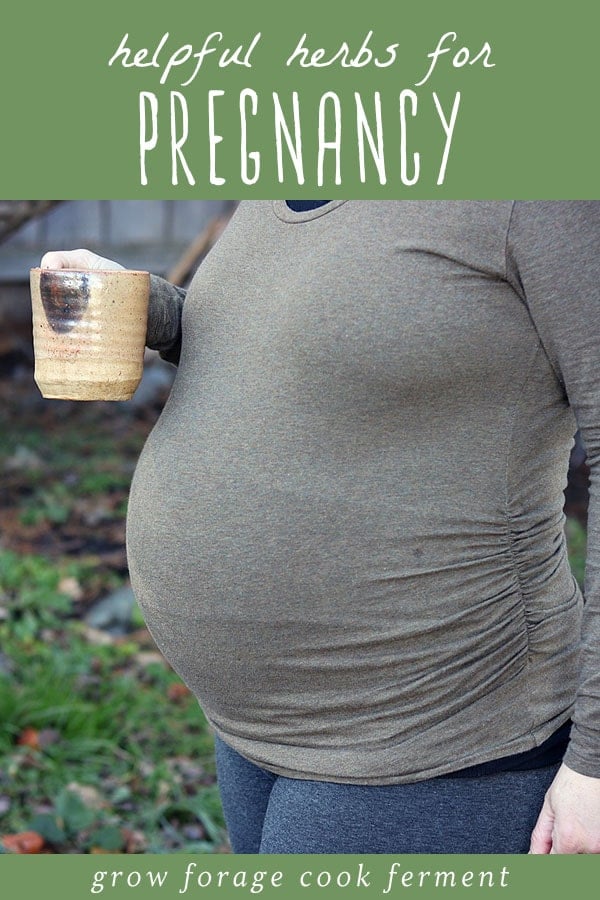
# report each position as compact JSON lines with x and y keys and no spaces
{"x":76,"y":259}
{"x":570,"y":818}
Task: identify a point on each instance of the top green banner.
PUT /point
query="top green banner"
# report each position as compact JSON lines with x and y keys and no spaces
{"x":449,"y":99}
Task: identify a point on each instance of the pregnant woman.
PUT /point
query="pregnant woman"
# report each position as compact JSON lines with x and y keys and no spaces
{"x":346,"y":529}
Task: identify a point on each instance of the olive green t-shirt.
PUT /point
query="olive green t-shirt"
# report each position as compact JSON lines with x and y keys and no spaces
{"x":346,"y":529}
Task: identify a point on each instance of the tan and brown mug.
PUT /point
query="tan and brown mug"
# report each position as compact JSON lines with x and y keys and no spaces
{"x":89,"y":332}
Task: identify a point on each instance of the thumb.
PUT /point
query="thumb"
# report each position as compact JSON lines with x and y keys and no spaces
{"x":541,"y":836}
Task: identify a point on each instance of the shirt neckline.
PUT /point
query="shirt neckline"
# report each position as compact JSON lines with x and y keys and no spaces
{"x":283,"y":212}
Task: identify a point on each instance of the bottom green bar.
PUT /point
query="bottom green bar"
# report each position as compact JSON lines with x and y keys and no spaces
{"x":307,"y":876}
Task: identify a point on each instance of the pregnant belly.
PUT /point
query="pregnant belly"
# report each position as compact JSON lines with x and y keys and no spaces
{"x":300,"y":609}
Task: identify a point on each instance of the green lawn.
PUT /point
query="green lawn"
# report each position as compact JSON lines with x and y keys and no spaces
{"x":101,"y":746}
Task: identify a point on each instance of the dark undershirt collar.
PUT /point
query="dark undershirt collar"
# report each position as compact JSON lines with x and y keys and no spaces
{"x":304,"y":205}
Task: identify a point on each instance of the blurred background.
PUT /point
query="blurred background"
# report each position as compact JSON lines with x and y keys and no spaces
{"x":102,"y":748}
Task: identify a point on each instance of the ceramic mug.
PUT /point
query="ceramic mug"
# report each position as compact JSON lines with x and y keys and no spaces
{"x":89,"y":332}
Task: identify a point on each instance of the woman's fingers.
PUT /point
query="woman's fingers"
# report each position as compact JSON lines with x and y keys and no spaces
{"x":541,"y":838}
{"x":76,"y":259}
{"x":59,"y":259}
{"x":570,"y":818}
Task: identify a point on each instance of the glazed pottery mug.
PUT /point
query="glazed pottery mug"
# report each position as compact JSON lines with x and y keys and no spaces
{"x":89,"y":332}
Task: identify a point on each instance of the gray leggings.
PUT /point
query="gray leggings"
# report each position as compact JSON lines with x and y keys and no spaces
{"x":267,"y":813}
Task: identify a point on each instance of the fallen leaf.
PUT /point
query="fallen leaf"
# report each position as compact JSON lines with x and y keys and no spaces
{"x":29,"y":737}
{"x":89,"y":795}
{"x":178,"y":692}
{"x":141,"y":637}
{"x":164,"y":792}
{"x":147,"y":769}
{"x":23,"y":458}
{"x":150,"y":658}
{"x":71,"y":588}
{"x":96,"y":637}
{"x":23,"y":842}
{"x":135,"y":841}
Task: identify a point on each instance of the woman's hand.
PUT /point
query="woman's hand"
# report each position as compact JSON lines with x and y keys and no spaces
{"x":570,"y":818}
{"x":76,"y":259}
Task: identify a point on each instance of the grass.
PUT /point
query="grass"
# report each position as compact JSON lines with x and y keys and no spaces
{"x":577,"y":542}
{"x":101,"y":746}
{"x":111,"y":720}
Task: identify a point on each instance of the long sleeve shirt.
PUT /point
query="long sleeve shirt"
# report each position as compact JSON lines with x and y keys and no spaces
{"x":346,"y":529}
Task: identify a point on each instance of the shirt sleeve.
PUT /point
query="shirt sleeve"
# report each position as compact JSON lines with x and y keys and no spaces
{"x":164,"y":318}
{"x":553,"y":261}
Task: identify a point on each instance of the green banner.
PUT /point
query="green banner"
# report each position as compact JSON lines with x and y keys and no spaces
{"x":304,"y":876}
{"x":439,"y":99}
{"x":436,"y":99}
